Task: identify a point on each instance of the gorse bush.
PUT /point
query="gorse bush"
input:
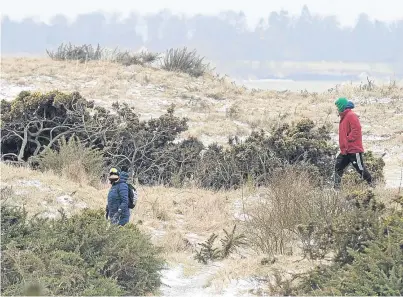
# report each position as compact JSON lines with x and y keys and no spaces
{"x":80,"y":255}
{"x":74,"y":161}
{"x":260,"y":154}
{"x":374,"y":270}
{"x":34,"y":123}
{"x":183,"y":60}
{"x":352,"y":227}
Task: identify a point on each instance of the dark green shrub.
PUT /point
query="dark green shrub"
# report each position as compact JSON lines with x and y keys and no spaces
{"x":352,"y":227}
{"x":229,"y":243}
{"x":260,"y":154}
{"x":80,"y":255}
{"x":33,"y":124}
{"x":182,"y":60}
{"x":376,"y":270}
{"x":207,"y":250}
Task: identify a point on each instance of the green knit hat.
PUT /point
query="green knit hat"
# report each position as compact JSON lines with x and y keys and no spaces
{"x":341,"y":104}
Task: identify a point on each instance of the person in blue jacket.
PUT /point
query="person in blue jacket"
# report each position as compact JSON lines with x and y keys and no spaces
{"x":117,"y":209}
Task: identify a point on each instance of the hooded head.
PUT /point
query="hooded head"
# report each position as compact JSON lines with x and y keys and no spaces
{"x":341,"y":104}
{"x":123,"y":176}
{"x":114,"y":175}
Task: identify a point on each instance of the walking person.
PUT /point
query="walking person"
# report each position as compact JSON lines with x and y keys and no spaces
{"x":350,"y":142}
{"x":117,"y":209}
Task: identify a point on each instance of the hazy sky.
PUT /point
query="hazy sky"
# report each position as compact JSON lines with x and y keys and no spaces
{"x":346,"y":10}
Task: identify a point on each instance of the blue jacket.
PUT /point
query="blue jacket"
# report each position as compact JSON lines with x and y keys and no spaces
{"x":118,"y":199}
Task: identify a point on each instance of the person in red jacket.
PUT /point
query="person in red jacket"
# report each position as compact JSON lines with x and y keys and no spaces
{"x":350,"y":142}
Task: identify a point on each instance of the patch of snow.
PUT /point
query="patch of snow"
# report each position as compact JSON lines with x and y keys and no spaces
{"x":65,"y":199}
{"x":243,"y":287}
{"x":9,"y":91}
{"x":155,"y":233}
{"x":174,"y":283}
{"x":193,"y":237}
{"x":238,"y":211}
{"x":375,"y":137}
{"x":81,"y":205}
{"x":31,"y":183}
{"x":239,"y":123}
{"x":372,"y":100}
{"x":44,"y":78}
{"x":21,"y":192}
{"x":51,"y":214}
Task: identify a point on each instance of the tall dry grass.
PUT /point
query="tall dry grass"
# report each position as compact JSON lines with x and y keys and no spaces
{"x":291,"y":199}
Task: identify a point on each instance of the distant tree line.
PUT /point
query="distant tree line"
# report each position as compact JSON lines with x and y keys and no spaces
{"x":225,"y":37}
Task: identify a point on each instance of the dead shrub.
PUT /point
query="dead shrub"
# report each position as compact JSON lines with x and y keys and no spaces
{"x":292,"y":198}
{"x":74,"y":161}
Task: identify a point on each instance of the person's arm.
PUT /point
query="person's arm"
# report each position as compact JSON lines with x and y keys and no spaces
{"x":124,"y":195}
{"x":355,"y":128}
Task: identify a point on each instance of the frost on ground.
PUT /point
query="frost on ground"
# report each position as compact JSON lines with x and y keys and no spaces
{"x":9,"y":91}
{"x":176,"y":284}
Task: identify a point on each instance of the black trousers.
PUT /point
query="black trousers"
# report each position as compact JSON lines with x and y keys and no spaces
{"x":357,"y":161}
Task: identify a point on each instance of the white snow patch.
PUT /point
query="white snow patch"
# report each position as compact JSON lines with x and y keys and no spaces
{"x":243,"y":287}
{"x":31,"y":183}
{"x":375,"y":137}
{"x":9,"y":91}
{"x":21,"y":192}
{"x":193,"y":238}
{"x":174,"y":283}
{"x":372,"y":100}
{"x":65,"y":199}
{"x":156,"y":233}
{"x":81,"y":205}
{"x":238,"y":211}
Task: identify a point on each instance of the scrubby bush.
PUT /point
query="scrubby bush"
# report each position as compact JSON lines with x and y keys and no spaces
{"x":183,"y":60}
{"x":33,"y":123}
{"x":82,"y":53}
{"x":79,"y":255}
{"x":374,"y":270}
{"x":127,"y":58}
{"x":352,"y":227}
{"x":292,"y":198}
{"x":229,"y":243}
{"x":74,"y":161}
{"x":86,"y":52}
{"x":260,"y":154}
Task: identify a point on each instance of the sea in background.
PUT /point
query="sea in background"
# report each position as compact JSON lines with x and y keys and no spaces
{"x":318,"y":86}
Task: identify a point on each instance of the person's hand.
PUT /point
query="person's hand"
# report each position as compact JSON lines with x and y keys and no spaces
{"x":116,"y":216}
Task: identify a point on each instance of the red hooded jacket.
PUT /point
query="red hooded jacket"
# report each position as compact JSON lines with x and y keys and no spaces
{"x":350,"y":135}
